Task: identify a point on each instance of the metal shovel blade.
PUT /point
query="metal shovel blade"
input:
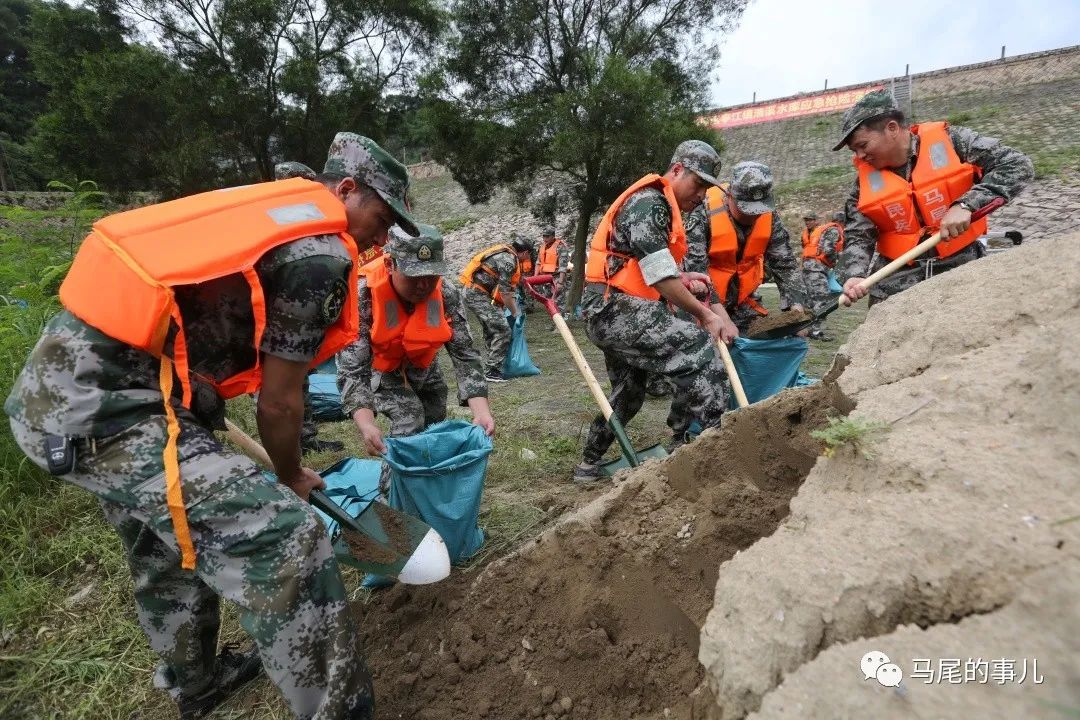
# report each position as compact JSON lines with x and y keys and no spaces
{"x":655,"y":451}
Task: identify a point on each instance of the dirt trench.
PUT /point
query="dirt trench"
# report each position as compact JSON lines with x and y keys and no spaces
{"x":599,"y":617}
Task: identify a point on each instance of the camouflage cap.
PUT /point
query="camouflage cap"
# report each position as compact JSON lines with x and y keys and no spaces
{"x":547,"y":232}
{"x":362,"y":158}
{"x":286,"y":170}
{"x":420,"y":255}
{"x":751,"y":187}
{"x":810,"y":215}
{"x":520,"y":242}
{"x":869,"y":106}
{"x":700,"y":157}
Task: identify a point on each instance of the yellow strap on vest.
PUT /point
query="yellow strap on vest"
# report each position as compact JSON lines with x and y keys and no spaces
{"x":173,"y":495}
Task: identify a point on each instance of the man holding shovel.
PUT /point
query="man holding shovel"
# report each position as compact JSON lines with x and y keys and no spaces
{"x":912,"y":181}
{"x":407,"y":314}
{"x":741,"y":238}
{"x":632,"y":275}
{"x":821,"y":243}
{"x":263,"y":293}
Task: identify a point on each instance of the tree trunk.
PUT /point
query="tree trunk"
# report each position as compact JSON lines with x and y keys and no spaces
{"x":586,"y":207}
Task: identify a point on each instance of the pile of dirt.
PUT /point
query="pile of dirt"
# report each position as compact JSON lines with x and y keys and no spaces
{"x":958,"y":539}
{"x":599,"y":617}
{"x":777,"y":319}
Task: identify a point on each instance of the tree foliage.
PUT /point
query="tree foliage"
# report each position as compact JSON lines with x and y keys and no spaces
{"x":596,"y":91}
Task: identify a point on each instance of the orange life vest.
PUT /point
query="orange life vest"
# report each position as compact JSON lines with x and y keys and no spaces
{"x":811,"y":242}
{"x":477,"y":265}
{"x":548,"y":261}
{"x":724,"y":261}
{"x":123,"y":278}
{"x":628,"y":278}
{"x":397,"y":333}
{"x":370,"y":254}
{"x":904,"y":212}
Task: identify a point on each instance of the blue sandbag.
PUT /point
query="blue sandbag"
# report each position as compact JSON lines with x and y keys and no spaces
{"x":325,"y":399}
{"x":517,"y":362}
{"x":834,"y":285}
{"x":766,"y":367}
{"x":438,"y":476}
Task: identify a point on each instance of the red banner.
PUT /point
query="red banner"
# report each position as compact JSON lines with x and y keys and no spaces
{"x":826,"y":102}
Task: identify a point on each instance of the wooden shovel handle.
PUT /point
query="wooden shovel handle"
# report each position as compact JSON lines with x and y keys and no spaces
{"x":918,"y":250}
{"x":583,"y":366}
{"x":248,"y":444}
{"x":733,"y":375}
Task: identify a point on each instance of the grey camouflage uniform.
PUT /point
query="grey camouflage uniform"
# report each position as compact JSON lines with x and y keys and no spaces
{"x":310,"y":429}
{"x":257,"y":543}
{"x":780,"y":260}
{"x":561,"y":276}
{"x":639,"y":337}
{"x":1005,"y":174}
{"x":413,"y":398}
{"x":492,"y":319}
{"x":816,"y":275}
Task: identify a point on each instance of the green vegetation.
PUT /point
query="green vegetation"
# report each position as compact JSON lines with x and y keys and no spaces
{"x":977,"y":114}
{"x":1057,"y":163}
{"x":817,"y":178}
{"x":858,"y":433}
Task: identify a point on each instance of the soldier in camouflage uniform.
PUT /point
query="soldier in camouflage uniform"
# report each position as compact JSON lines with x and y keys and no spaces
{"x":816,"y":270}
{"x":309,"y":441}
{"x":876,"y":131}
{"x":496,"y":272}
{"x":559,"y":275}
{"x":640,"y":336}
{"x":747,"y":197}
{"x":258,"y":543}
{"x":411,"y":397}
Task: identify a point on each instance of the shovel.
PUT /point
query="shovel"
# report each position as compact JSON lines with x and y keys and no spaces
{"x":630,"y":457}
{"x":867,"y":283}
{"x":381,"y":540}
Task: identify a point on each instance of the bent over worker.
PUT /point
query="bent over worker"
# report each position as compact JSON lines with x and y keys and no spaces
{"x":407,"y":314}
{"x":742,"y":236}
{"x":632,"y":275}
{"x":169,"y":310}
{"x":913,"y":181}
{"x":821,"y":243}
{"x":491,"y":282}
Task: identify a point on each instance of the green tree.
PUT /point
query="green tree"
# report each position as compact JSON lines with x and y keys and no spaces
{"x":597,"y":92}
{"x":119,"y":112}
{"x":23,"y":95}
{"x":281,"y":76}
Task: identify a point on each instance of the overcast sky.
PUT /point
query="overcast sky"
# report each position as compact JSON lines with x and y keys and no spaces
{"x":783,"y":47}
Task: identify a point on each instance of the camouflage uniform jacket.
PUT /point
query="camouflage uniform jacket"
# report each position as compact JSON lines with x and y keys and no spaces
{"x":82,"y":383}
{"x":780,"y":260}
{"x":641,"y":227}
{"x":354,"y":362}
{"x":1005,"y":173}
{"x":504,"y":265}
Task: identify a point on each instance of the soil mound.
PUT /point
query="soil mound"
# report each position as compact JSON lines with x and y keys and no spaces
{"x":967,"y":509}
{"x":599,"y":617}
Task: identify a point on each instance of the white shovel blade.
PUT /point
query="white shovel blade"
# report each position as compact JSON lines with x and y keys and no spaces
{"x":429,"y":563}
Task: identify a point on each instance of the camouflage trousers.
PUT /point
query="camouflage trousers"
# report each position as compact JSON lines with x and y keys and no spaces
{"x":923,"y":269}
{"x":816,"y":277}
{"x":412,"y":399}
{"x":494,"y":325}
{"x":640,"y":337}
{"x":257,"y":545}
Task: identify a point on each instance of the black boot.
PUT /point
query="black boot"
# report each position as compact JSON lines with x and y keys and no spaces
{"x":235,"y":669}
